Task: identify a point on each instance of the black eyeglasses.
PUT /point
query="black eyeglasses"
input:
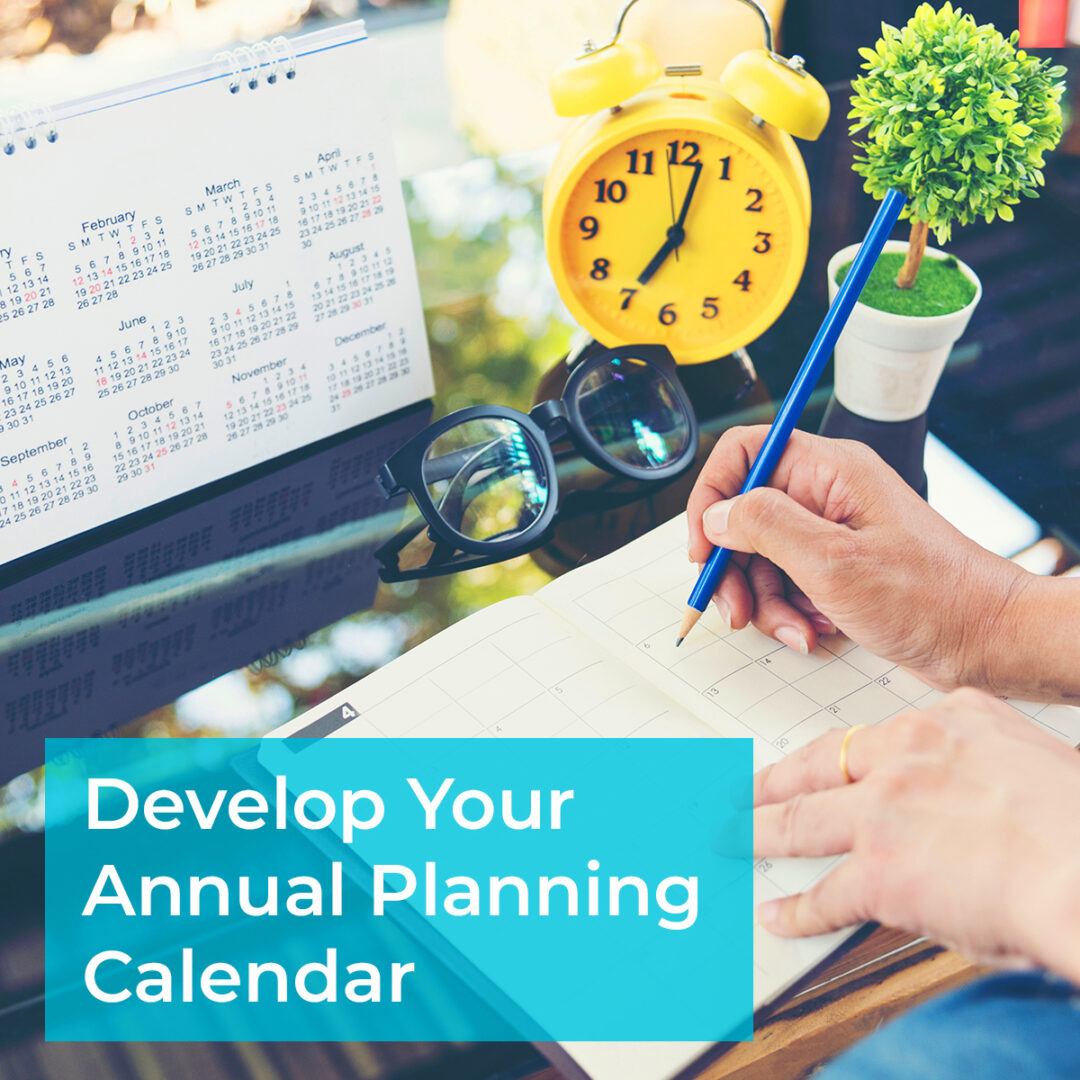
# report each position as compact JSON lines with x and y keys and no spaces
{"x":484,"y":478}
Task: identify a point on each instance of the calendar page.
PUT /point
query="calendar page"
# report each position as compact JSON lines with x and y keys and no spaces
{"x":198,"y":275}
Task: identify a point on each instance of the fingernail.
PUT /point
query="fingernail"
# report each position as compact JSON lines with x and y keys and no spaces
{"x":715,"y":519}
{"x":789,"y":636}
{"x":723,"y":611}
{"x":769,"y":912}
{"x":822,"y":625}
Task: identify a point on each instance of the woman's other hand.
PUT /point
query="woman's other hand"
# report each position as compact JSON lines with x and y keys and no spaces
{"x":962,"y":823}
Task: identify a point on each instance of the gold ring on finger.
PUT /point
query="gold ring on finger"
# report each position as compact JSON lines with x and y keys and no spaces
{"x":848,"y":778}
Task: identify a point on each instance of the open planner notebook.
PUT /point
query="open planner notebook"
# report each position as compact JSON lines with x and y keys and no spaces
{"x":592,"y":654}
{"x":198,"y":274}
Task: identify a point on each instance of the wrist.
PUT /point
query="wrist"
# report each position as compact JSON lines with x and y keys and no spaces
{"x":996,"y":633}
{"x":1033,"y":639}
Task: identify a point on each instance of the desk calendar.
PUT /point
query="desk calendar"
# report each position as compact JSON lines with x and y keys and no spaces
{"x":197,"y":275}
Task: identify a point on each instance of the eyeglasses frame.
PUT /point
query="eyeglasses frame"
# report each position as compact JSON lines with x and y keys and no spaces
{"x":546,"y":423}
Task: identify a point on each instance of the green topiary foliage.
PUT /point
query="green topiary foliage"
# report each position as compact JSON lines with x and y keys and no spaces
{"x":956,"y":118}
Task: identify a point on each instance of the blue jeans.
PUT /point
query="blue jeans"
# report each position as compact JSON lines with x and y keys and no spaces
{"x":1015,"y":1026}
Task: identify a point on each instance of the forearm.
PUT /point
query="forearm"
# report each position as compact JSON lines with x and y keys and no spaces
{"x":1035,"y":648}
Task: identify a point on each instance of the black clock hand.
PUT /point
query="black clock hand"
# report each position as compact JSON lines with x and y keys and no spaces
{"x":675,"y":235}
{"x":689,"y":195}
{"x":671,"y":198}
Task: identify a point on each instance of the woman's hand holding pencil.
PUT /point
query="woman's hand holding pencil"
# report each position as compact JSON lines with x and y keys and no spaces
{"x":791,"y":408}
{"x":838,"y":541}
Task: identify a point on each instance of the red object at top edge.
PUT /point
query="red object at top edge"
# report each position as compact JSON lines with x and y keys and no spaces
{"x":1043,"y":23}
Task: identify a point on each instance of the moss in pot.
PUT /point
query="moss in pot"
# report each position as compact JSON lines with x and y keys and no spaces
{"x":940,"y":289}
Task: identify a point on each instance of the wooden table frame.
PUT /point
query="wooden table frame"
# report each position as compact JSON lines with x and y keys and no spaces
{"x":872,"y":977}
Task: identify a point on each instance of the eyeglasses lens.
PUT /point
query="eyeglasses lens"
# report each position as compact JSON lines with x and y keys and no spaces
{"x":632,"y":410}
{"x":486,"y":479}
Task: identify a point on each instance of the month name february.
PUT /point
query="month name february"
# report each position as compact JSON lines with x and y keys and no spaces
{"x":126,"y":217}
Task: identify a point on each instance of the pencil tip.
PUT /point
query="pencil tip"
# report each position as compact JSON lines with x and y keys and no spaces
{"x":679,"y":641}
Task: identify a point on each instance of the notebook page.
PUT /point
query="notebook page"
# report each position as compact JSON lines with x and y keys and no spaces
{"x":513,"y":670}
{"x":194,"y":281}
{"x":629,"y":600}
{"x":742,"y":683}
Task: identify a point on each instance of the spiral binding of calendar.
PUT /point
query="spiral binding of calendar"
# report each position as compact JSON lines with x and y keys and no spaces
{"x":264,"y":62}
{"x":27,"y":126}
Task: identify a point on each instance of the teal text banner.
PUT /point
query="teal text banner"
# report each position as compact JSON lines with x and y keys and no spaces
{"x":398,"y":890}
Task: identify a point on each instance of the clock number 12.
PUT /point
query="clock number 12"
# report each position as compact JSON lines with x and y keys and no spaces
{"x":691,"y":150}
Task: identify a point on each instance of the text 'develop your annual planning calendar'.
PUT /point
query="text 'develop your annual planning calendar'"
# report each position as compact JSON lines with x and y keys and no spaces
{"x":198,"y":275}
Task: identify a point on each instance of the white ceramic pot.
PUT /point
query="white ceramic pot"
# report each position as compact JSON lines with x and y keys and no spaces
{"x":888,"y":366}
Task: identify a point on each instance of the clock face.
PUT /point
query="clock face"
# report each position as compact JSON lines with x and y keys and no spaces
{"x":682,"y":238}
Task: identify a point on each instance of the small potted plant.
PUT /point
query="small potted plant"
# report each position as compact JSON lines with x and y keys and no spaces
{"x":959,"y":120}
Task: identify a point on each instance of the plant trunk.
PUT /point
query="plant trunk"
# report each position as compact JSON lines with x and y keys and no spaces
{"x":916,"y":249}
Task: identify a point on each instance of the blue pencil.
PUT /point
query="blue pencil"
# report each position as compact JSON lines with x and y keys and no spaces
{"x":801,"y":389}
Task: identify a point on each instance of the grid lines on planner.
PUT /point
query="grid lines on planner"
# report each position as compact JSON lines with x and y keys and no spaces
{"x":592,"y":654}
{"x":783,"y":698}
{"x":531,"y":679}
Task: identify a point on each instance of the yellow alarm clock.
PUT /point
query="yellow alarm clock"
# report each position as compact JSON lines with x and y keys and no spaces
{"x":678,"y":211}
